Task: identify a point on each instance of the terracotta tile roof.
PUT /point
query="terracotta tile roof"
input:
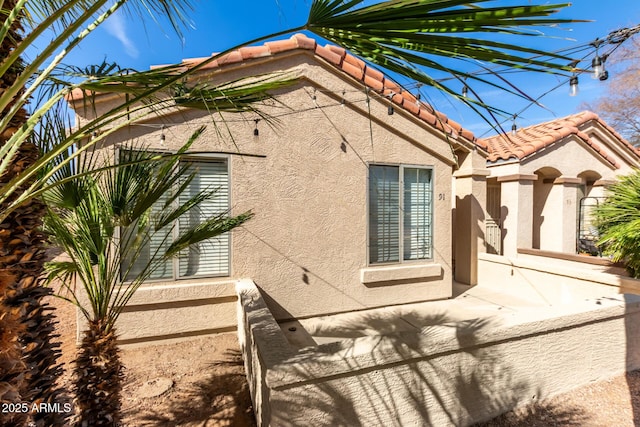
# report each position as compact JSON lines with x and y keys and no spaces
{"x":339,"y":58}
{"x":351,"y":65}
{"x":533,"y":138}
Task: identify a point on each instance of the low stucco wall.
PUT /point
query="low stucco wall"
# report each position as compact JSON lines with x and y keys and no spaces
{"x":551,"y":279}
{"x":452,"y":374}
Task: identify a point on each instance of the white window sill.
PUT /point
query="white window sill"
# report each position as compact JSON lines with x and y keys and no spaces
{"x":399,"y":272}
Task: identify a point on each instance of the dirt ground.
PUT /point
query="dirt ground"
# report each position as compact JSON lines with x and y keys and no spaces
{"x":201,"y":382}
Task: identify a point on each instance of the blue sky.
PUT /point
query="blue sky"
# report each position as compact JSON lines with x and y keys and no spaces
{"x":220,"y":24}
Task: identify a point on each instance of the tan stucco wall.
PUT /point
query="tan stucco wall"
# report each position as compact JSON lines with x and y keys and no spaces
{"x":570,"y":157}
{"x":551,"y":199}
{"x":468,"y":237}
{"x":551,"y":280}
{"x":307,"y":245}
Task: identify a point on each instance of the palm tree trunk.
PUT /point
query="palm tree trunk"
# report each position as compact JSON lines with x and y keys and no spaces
{"x":22,"y":257}
{"x":98,"y":378}
{"x":11,"y":365}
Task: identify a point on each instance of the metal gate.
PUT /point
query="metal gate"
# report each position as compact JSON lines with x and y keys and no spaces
{"x":493,"y":222}
{"x":587,"y":233}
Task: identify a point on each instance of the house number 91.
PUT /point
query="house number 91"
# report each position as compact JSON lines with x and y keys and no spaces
{"x":441,"y":196}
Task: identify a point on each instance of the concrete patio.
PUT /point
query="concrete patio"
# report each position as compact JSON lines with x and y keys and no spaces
{"x":499,"y":307}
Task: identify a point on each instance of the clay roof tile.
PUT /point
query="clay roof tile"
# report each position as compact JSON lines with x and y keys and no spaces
{"x":350,"y":65}
{"x":281,"y":45}
{"x":230,"y":58}
{"x":412,"y":107}
{"x":304,"y":42}
{"x":353,"y":70}
{"x":427,"y":116}
{"x":337,"y":50}
{"x":373,"y":83}
{"x":533,"y":138}
{"x":350,"y":59}
{"x":254,"y":52}
{"x":328,"y":55}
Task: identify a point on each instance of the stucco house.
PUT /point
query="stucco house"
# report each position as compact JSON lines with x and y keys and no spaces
{"x":356,"y":192}
{"x":366,"y":198}
{"x":544,"y":180}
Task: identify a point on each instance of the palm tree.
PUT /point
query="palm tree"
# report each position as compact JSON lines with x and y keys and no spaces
{"x":102,"y":219}
{"x":618,"y":222}
{"x":403,"y":36}
{"x":28,"y":353}
{"x":27,"y":357}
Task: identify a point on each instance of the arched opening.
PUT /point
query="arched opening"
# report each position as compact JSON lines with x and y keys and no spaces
{"x":588,"y":198}
{"x":588,"y":179}
{"x":493,"y":221}
{"x":546,"y":226}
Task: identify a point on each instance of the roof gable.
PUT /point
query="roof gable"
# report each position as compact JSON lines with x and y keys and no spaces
{"x":352,"y":67}
{"x":530,"y":140}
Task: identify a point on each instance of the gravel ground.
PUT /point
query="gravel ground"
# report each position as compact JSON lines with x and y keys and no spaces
{"x":609,"y":403}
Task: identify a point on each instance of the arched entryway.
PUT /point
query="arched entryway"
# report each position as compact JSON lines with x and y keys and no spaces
{"x":589,"y":196}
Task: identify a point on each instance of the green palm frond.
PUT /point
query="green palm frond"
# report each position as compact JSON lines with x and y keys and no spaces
{"x":140,"y":89}
{"x":177,"y":12}
{"x":618,"y":222}
{"x":235,"y":96}
{"x":209,"y":229}
{"x":410,"y":37}
{"x":148,"y":93}
{"x":120,"y":211}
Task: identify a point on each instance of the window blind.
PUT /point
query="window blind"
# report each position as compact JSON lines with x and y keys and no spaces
{"x":211,"y":257}
{"x":417,"y":213}
{"x":400,"y":198}
{"x":384,"y":217}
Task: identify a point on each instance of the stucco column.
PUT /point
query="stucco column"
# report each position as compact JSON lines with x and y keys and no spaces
{"x":517,"y":212}
{"x":471,"y":195}
{"x":567,"y":213}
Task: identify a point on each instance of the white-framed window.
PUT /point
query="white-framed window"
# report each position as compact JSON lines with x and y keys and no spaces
{"x":400,"y":213}
{"x":210,"y":258}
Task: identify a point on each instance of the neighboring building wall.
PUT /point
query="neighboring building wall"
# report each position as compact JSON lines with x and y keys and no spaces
{"x":516,"y":192}
{"x":306,"y":248}
{"x":548,"y":186}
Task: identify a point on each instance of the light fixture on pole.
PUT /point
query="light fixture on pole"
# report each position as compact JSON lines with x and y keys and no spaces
{"x":465,"y":88}
{"x":418,"y":95}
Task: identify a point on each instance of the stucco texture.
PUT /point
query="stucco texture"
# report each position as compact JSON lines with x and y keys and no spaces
{"x":442,"y":367}
{"x":306,"y":247}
